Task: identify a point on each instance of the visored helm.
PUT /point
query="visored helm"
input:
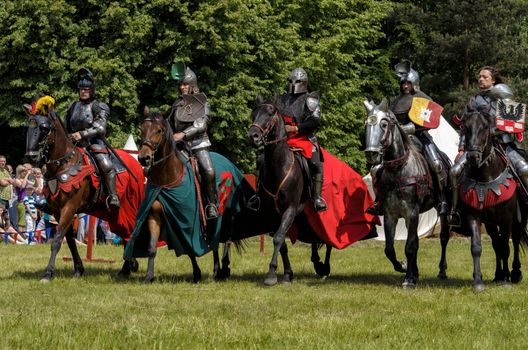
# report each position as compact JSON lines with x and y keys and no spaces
{"x":86,"y":81}
{"x":298,"y":81}
{"x":405,"y":72}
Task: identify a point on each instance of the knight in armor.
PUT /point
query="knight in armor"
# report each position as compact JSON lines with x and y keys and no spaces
{"x":191,"y":116}
{"x":492,"y":89}
{"x":86,"y":123}
{"x":400,"y":106}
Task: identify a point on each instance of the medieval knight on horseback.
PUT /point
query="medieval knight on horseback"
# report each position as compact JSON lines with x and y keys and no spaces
{"x":301,"y":112}
{"x":191,"y":117}
{"x":493,"y":93}
{"x":86,"y":123}
{"x":400,"y":106}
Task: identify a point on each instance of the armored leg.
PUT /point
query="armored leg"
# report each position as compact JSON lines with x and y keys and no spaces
{"x":376,"y":208}
{"x":109,"y":175}
{"x":208,"y":176}
{"x":317,"y":178}
{"x":435,"y":163}
{"x":454,"y":176}
{"x":520,"y":165}
{"x":254,"y":201}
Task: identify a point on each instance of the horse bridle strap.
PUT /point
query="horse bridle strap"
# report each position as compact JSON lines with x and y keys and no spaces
{"x":398,"y":161}
{"x":276,"y":195}
{"x":269,"y":127}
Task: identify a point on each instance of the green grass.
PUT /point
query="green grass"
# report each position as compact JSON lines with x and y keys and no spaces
{"x":361,"y":305}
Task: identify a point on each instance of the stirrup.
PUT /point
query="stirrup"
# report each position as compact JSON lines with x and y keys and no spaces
{"x":443,"y":208}
{"x":454,"y":219}
{"x":254,"y":203}
{"x":320,"y":204}
{"x":211,"y":212}
{"x":112,"y":201}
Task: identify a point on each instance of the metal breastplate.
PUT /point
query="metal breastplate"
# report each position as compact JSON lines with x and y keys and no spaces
{"x":81,"y":117}
{"x":485,"y":104}
{"x":191,"y":107}
{"x":401,"y":105}
{"x":294,"y":107}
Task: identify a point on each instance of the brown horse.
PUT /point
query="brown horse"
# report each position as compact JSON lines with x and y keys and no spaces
{"x":163,"y":209}
{"x":70,"y":189}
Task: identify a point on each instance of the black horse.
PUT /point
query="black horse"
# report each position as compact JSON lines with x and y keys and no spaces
{"x":282,"y":190}
{"x":488,"y":196}
{"x":405,"y":185}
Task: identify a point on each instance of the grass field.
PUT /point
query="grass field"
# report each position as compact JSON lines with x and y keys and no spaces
{"x":361,"y":305}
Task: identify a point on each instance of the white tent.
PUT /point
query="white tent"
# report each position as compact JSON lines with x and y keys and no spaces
{"x":131,"y":146}
{"x":446,"y":138}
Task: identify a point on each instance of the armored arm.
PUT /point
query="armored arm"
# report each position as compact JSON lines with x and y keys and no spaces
{"x":101,"y":112}
{"x":312,"y":119}
{"x":199,"y":126}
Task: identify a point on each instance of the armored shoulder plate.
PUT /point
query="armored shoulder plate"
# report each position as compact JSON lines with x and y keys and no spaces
{"x":191,"y":107}
{"x":312,"y":101}
{"x":100,"y":109}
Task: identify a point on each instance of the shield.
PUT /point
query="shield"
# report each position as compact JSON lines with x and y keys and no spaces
{"x":425,"y":113}
{"x":510,"y":116}
{"x":191,"y":107}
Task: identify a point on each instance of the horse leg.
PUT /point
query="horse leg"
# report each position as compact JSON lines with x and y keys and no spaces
{"x":516,"y":274}
{"x":225,"y":271}
{"x":322,"y":269}
{"x":78,"y":269}
{"x":504,"y":236}
{"x":65,"y":221}
{"x":197,"y":273}
{"x":497,"y":248}
{"x":154,"y":226}
{"x":129,"y":266}
{"x":444,"y":239}
{"x":216,"y":263}
{"x":288,"y":272}
{"x":390,"y":230}
{"x":476,"y":252}
{"x":411,"y":251}
{"x":278,"y":241}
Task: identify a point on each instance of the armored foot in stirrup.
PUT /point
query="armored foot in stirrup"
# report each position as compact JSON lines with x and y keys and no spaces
{"x":254,"y":203}
{"x":112,"y":201}
{"x":454,"y":219}
{"x":375,"y":209}
{"x":211,"y":211}
{"x":320,"y":204}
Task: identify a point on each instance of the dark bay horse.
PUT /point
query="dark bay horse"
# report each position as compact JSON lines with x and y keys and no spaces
{"x":167,"y":171}
{"x":69,"y":188}
{"x":281,"y":190}
{"x":405,"y":186}
{"x":488,"y":195}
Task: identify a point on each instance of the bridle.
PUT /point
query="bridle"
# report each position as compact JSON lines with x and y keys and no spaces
{"x":270,"y":126}
{"x":154,"y":146}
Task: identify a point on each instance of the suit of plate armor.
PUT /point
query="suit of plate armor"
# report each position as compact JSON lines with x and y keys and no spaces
{"x":89,"y":118}
{"x":191,"y":116}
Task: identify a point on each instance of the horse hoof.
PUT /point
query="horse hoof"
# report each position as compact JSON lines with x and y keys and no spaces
{"x":408,"y":285}
{"x":45,"y":280}
{"x":123,"y":274}
{"x":148,"y":280}
{"x":442,"y":276}
{"x":479,"y":288}
{"x":77,"y":274}
{"x":270,"y":281}
{"x":134,"y":266}
{"x":516,"y":277}
{"x":222,"y":274}
{"x":287,"y":278}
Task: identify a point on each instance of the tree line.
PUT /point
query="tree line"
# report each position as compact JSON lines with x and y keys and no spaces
{"x":241,"y":48}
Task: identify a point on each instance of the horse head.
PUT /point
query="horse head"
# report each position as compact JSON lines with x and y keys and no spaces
{"x":378,"y":127}
{"x":156,"y":134}
{"x":477,"y":128}
{"x":39,"y":136}
{"x":267,"y":124}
